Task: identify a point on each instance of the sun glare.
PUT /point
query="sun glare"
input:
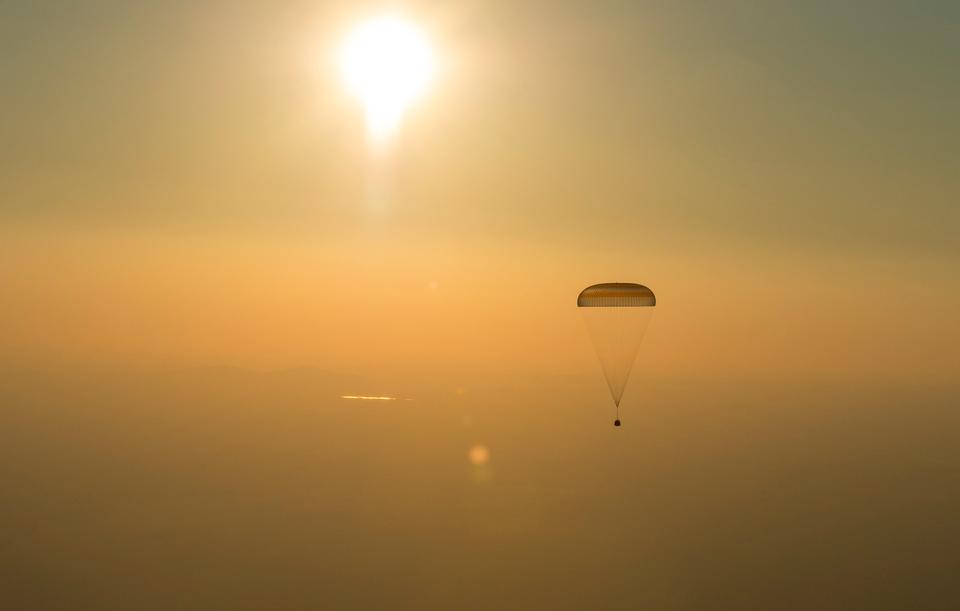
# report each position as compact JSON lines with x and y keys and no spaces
{"x":387,"y":63}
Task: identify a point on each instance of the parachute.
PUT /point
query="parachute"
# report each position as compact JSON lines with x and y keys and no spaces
{"x":617,"y":315}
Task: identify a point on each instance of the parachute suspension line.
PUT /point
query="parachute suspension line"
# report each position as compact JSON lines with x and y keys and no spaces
{"x":622,"y":315}
{"x":616,"y":315}
{"x":618,"y":320}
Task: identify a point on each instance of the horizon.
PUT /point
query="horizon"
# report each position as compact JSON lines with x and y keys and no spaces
{"x":288,"y":304}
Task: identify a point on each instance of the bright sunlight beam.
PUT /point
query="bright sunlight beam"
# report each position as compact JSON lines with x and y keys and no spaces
{"x":387,"y":63}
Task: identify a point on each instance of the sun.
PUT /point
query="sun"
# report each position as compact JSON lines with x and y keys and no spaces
{"x":387,"y":63}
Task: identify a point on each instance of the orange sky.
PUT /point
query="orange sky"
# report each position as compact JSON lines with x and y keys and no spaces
{"x":205,"y":268}
{"x":207,"y":196}
{"x":444,"y":305}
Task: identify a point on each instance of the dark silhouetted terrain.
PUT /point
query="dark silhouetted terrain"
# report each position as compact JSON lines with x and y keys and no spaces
{"x":224,"y":488}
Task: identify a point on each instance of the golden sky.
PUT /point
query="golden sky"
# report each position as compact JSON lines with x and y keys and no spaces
{"x":193,"y":185}
{"x":252,"y":357}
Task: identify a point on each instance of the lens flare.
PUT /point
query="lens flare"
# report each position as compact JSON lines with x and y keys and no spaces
{"x":479,"y":455}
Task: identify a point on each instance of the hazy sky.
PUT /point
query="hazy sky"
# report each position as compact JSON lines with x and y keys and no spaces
{"x":188,"y":185}
{"x":190,"y":182}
